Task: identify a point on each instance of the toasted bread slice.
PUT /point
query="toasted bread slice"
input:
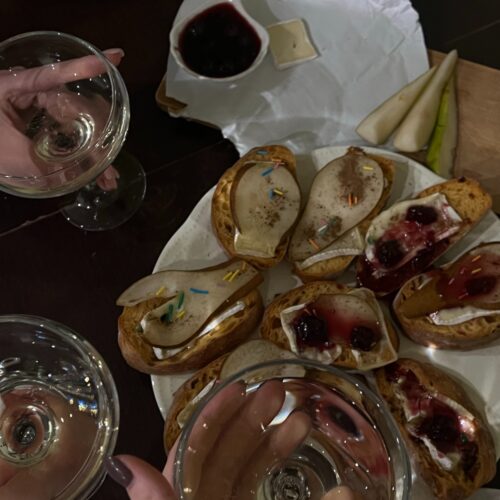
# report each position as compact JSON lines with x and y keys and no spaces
{"x":197,"y":353}
{"x":454,"y":484}
{"x":468,"y":199}
{"x":271,"y":328}
{"x":185,"y":394}
{"x":222,"y":217}
{"x":329,"y":268}
{"x":470,"y":334}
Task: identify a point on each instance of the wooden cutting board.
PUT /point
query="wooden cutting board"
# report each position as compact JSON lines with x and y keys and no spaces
{"x":478,"y":152}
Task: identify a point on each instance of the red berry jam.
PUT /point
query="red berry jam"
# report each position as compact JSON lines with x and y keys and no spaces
{"x":473,"y":277}
{"x":219,"y":42}
{"x":322,"y":325}
{"x":393,"y":279}
{"x":389,"y":253}
{"x":422,"y":214}
{"x":440,"y":422}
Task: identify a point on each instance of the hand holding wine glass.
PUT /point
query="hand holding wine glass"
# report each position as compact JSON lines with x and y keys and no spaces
{"x":35,"y":95}
{"x":143,"y":481}
{"x":64,"y":117}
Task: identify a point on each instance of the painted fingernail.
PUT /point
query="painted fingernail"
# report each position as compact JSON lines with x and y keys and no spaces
{"x":118,"y":471}
{"x":115,"y":52}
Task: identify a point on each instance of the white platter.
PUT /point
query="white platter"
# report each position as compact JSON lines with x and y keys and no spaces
{"x":194,"y":245}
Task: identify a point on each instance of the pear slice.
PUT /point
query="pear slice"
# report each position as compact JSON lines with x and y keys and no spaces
{"x":416,"y":129}
{"x":343,"y":193}
{"x":479,"y":263}
{"x":265,"y":204}
{"x":259,"y":351}
{"x":442,"y":147}
{"x":199,"y":294}
{"x":381,"y":122}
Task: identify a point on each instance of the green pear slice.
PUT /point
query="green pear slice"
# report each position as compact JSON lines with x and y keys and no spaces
{"x":416,"y":128}
{"x":343,"y":193}
{"x":199,"y":294}
{"x":381,"y":122}
{"x":265,"y":204}
{"x":441,"y":152}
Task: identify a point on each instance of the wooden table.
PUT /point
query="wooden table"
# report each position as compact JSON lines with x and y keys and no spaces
{"x":52,"y":269}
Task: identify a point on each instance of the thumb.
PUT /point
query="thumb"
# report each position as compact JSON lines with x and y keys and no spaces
{"x":142,"y":480}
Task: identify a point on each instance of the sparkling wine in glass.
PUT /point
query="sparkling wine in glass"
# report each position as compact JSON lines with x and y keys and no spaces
{"x":58,"y":411}
{"x":352,"y":440}
{"x":64,"y":116}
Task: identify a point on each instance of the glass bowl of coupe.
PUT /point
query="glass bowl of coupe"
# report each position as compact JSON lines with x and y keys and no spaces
{"x":59,"y":411}
{"x":64,"y":116}
{"x":291,"y":429}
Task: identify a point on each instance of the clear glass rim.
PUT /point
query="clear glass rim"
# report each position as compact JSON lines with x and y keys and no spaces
{"x":117,"y":85}
{"x":315,"y":365}
{"x":91,"y":473}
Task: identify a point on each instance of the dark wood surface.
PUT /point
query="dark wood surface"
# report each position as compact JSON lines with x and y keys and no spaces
{"x":50,"y":268}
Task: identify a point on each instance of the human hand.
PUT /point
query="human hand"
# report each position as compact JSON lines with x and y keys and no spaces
{"x":210,"y":463}
{"x":28,"y":94}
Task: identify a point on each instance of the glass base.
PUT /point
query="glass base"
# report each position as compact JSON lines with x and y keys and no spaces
{"x":97,"y":210}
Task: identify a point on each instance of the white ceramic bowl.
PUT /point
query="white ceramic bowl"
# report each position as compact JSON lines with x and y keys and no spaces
{"x":178,"y":28}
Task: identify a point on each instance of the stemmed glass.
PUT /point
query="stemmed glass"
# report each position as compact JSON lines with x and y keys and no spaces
{"x":64,"y":115}
{"x":241,"y":441}
{"x":58,"y":411}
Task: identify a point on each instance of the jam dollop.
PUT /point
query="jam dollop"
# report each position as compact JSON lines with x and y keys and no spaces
{"x":389,"y":253}
{"x":422,"y":214}
{"x":394,"y":278}
{"x":311,"y":331}
{"x":363,"y":338}
{"x":323,"y":325}
{"x":440,"y":423}
{"x":219,"y":42}
{"x":471,"y":278}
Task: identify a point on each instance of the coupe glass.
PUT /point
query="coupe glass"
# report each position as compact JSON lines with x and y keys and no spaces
{"x":61,"y":135}
{"x":353,"y":440}
{"x":58,"y":411}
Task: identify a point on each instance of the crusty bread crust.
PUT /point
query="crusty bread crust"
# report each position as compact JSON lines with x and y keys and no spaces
{"x":328,"y":269}
{"x":222,"y":218}
{"x":186,"y":393}
{"x":452,"y":485}
{"x":272,"y":330}
{"x":225,"y":337}
{"x":464,"y":336}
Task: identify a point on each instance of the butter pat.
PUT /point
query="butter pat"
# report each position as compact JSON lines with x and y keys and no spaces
{"x":290,"y":44}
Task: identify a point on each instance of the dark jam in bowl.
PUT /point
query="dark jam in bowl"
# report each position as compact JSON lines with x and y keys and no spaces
{"x":219,"y":42}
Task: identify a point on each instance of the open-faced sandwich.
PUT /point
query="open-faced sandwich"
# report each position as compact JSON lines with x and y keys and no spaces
{"x":345,"y":196}
{"x":176,"y":321}
{"x":408,"y":237}
{"x":447,"y":436}
{"x":332,"y":323}
{"x":203,"y":381}
{"x":256,"y":204}
{"x":457,"y":306}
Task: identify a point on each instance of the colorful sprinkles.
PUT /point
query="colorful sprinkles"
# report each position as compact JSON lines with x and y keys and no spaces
{"x":367,"y":168}
{"x":262,"y":152}
{"x":477,"y":270}
{"x":476,"y":258}
{"x":314,"y":244}
{"x":198,"y":290}
{"x":160,"y":291}
{"x":352,"y":199}
{"x":267,"y":171}
{"x":180,"y":300}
